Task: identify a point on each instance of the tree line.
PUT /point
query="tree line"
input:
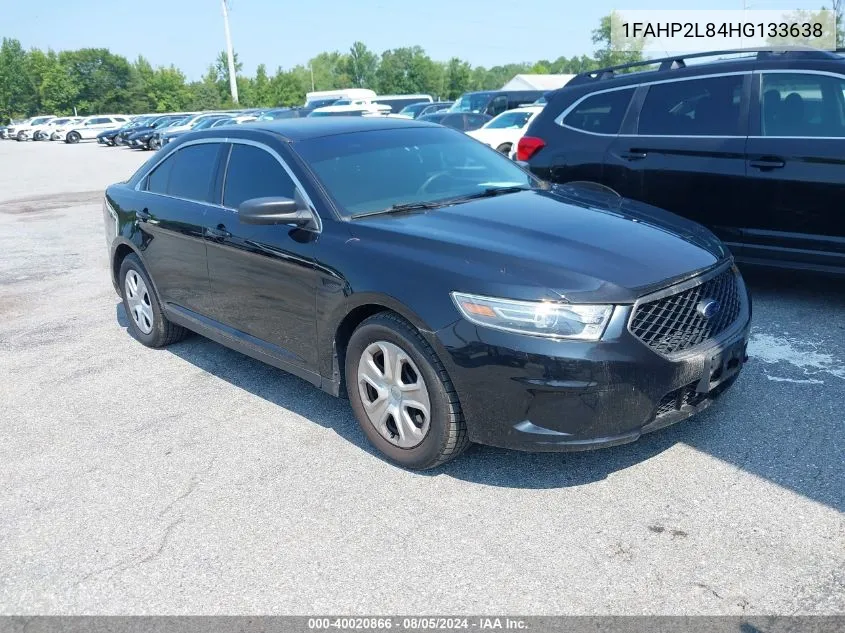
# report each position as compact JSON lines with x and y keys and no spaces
{"x":95,"y":80}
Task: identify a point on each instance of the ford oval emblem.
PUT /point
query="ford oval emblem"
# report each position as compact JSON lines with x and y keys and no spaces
{"x":708,"y":308}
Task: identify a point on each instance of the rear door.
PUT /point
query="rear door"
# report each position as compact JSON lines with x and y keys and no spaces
{"x":796,"y":167}
{"x":685,"y":152}
{"x":179,"y":192}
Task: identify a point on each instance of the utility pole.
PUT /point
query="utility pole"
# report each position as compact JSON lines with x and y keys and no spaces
{"x":233,"y":84}
{"x":311,"y":68}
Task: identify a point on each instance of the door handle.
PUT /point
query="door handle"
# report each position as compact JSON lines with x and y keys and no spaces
{"x":767,"y":162}
{"x":143,"y":215}
{"x":633,"y":155}
{"x":218,"y":233}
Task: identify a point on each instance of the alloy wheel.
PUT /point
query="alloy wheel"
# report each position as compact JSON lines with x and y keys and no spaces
{"x":394,"y":394}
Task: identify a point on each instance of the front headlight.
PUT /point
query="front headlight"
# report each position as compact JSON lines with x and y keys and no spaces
{"x":582,"y":322}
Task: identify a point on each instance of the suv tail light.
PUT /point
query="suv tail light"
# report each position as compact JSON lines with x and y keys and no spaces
{"x":528,"y":146}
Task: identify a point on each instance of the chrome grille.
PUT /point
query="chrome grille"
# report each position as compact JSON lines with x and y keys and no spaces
{"x":675,"y":323}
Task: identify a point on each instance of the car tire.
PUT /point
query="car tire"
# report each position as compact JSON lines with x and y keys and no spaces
{"x":504,"y":148}
{"x":147,"y":322}
{"x":21,"y":136}
{"x":73,"y":137}
{"x":426,"y":439}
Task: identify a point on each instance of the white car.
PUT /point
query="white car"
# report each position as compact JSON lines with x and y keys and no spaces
{"x":359,"y":109}
{"x":45,"y":131}
{"x":23,"y":131}
{"x":89,"y":127}
{"x":503,"y":132}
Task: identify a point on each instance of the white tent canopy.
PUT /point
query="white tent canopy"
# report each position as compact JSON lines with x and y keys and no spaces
{"x":537,"y":82}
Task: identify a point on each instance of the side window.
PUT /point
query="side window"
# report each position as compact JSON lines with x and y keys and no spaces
{"x":802,"y":104}
{"x":254,"y":173}
{"x":188,"y":173}
{"x":695,"y":107}
{"x":498,"y":105}
{"x":601,"y":113}
{"x":159,"y":179}
{"x":97,"y":121}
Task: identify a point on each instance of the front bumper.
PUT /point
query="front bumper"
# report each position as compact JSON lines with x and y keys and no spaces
{"x":534,"y":394}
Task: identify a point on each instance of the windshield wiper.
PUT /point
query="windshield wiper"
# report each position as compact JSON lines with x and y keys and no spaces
{"x":490,"y":192}
{"x":398,"y":208}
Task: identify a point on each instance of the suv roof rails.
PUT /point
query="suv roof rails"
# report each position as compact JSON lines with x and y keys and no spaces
{"x":679,"y":61}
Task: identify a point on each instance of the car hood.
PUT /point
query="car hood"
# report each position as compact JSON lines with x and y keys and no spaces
{"x":544,"y":244}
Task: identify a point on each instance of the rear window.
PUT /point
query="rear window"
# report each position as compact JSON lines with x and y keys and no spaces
{"x":600,"y":113}
{"x":187,"y":173}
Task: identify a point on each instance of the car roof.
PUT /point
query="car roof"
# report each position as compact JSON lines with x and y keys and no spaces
{"x":722,"y":62}
{"x":307,"y":128}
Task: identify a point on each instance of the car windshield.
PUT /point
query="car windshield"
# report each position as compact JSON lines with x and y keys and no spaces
{"x":414,"y":109}
{"x":473,"y":102}
{"x":510,"y":121}
{"x":376,"y":170}
{"x":320,"y":103}
{"x":205,"y":123}
{"x":40,"y":120}
{"x":222,"y":122}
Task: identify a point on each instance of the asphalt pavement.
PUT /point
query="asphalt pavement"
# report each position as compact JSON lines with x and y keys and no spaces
{"x":196,"y":480}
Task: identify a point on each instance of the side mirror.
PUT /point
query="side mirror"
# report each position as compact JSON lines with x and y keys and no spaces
{"x":276,"y":210}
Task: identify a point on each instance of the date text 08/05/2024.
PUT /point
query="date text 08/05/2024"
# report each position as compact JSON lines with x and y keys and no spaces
{"x":416,"y":624}
{"x":695,"y":30}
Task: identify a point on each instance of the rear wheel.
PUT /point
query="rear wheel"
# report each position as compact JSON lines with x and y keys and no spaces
{"x":400,"y":393}
{"x":504,"y":148}
{"x":147,"y":322}
{"x":73,"y":137}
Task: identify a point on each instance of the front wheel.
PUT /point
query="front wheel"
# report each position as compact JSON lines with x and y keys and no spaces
{"x":73,"y":137}
{"x":400,"y":393}
{"x":21,"y":136}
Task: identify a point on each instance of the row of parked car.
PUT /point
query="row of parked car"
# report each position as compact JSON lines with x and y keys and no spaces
{"x":497,"y":118}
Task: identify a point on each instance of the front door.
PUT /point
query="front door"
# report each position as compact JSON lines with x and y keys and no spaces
{"x":262,"y":277}
{"x":796,"y":166}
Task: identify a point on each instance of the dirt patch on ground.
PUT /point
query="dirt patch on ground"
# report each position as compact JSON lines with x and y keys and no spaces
{"x":42,"y":204}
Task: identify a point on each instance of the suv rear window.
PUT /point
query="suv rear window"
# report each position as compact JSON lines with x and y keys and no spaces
{"x":695,"y":107}
{"x":601,"y":113}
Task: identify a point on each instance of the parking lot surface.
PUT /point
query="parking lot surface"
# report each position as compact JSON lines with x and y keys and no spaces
{"x":196,"y":480}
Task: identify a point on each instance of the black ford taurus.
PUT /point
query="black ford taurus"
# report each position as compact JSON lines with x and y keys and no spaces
{"x":449,"y":294}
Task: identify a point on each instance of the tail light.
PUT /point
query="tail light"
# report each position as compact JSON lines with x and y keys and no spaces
{"x":528,"y":146}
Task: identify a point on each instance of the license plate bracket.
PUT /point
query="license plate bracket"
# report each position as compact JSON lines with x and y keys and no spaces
{"x":722,"y":366}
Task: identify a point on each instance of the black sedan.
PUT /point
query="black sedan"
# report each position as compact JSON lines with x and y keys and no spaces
{"x":107,"y":137}
{"x":448,"y":293}
{"x":464,"y":121}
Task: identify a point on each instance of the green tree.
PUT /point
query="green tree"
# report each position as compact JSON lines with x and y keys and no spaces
{"x":614,"y":49}
{"x":408,"y":70}
{"x":59,"y":92}
{"x":263,"y":93}
{"x":104,"y":79}
{"x":205,"y":94}
{"x":288,"y":88}
{"x":16,"y":92}
{"x":457,"y":77}
{"x":361,"y":64}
